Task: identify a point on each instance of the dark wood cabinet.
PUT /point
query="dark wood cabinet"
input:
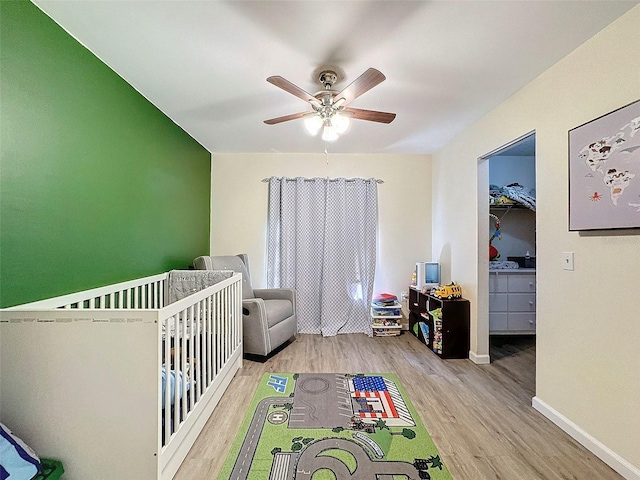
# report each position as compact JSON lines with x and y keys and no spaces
{"x":441,"y":324}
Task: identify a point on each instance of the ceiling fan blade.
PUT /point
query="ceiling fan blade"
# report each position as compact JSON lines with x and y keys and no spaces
{"x":371,"y":115}
{"x":360,"y":85}
{"x":287,"y":86}
{"x":286,"y":118}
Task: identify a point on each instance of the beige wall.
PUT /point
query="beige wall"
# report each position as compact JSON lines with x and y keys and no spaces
{"x":239,"y":206}
{"x":588,"y":329}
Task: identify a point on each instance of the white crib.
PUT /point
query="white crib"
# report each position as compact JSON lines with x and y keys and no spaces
{"x":81,"y":376}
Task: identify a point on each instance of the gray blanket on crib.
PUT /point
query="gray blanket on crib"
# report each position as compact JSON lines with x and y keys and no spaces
{"x":182,"y":283}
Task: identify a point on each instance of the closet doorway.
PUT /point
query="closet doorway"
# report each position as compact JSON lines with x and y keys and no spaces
{"x":509,"y":282}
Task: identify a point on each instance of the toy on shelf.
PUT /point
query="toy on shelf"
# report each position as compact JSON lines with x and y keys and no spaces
{"x":494,"y":254}
{"x":450,"y":291}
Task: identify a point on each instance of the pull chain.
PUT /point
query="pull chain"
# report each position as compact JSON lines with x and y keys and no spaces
{"x":326,"y":153}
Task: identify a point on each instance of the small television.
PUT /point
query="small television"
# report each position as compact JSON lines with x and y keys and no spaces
{"x":427,"y":275}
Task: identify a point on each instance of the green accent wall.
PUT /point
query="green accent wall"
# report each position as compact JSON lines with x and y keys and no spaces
{"x":97,"y":185}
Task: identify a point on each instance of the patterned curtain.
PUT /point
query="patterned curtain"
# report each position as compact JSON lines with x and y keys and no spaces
{"x":322,"y":242}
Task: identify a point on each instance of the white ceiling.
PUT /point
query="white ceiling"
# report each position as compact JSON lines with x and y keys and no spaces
{"x":447,"y":63}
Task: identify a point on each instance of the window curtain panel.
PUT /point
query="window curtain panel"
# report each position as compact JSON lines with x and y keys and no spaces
{"x":322,"y":242}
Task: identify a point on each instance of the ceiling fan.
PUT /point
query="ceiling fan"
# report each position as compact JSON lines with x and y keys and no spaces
{"x":330,"y":112}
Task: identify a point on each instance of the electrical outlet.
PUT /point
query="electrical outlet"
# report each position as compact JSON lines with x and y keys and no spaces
{"x":567,"y":260}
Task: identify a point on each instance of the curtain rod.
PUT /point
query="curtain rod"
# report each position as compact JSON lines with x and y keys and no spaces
{"x":378,"y":180}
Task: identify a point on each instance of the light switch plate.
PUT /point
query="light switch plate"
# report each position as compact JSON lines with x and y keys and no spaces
{"x":567,"y":260}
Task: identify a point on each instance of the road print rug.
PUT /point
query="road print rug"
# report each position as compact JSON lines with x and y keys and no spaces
{"x":328,"y":426}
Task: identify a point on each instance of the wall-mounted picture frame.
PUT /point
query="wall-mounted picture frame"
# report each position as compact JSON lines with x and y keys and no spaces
{"x":604,"y":171}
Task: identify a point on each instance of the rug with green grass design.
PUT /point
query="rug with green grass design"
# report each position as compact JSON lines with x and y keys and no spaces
{"x":330,"y":426}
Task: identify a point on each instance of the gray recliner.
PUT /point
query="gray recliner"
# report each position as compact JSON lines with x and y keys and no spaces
{"x":269,"y":314}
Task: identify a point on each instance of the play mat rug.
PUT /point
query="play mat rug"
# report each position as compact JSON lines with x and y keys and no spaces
{"x":329,"y":426}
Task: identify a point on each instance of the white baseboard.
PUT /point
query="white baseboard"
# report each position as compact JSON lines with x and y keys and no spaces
{"x":605,"y":454}
{"x":479,"y":359}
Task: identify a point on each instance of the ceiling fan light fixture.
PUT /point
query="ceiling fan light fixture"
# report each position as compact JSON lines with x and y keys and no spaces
{"x":340,"y":122}
{"x":329,"y":112}
{"x":329,"y":133}
{"x":313,"y":123}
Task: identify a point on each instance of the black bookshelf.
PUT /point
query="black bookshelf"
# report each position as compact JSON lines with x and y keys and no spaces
{"x":448,"y":335}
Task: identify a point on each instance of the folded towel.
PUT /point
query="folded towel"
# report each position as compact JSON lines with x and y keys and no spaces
{"x":183,"y":283}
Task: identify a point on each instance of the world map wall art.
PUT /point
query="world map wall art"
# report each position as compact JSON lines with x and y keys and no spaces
{"x":604,"y":171}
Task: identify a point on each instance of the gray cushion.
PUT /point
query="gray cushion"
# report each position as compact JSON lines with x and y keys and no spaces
{"x":277,"y":310}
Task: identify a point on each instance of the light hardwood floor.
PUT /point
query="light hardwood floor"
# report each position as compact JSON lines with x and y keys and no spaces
{"x":480,"y":416}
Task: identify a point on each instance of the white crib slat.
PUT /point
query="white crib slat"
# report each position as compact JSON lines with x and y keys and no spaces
{"x":187,"y":352}
{"x":166,"y":413}
{"x":223,"y":330}
{"x":206,"y":332}
{"x":228,"y":327}
{"x":181,"y":334}
{"x":183,"y":365}
{"x":232,"y":319}
{"x":234,"y":316}
{"x":215,"y":347}
{"x":212,"y":339}
{"x":219,"y":333}
{"x":198,"y":354}
{"x":239,"y":318}
{"x":191,"y":361}
{"x":177,"y":367}
{"x":215,"y":334}
{"x":205,"y":339}
{"x":229,"y":320}
{"x":232,"y":336}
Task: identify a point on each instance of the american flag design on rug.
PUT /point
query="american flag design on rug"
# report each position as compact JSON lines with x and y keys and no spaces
{"x":377,"y":397}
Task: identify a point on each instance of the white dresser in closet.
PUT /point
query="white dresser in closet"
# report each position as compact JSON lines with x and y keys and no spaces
{"x":512,"y":301}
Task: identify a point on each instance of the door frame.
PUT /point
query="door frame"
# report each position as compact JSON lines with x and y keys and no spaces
{"x":483,"y":247}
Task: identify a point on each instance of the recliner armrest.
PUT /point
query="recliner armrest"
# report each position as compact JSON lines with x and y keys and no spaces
{"x":254,"y":307}
{"x":255,"y":327}
{"x":276,"y":294}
